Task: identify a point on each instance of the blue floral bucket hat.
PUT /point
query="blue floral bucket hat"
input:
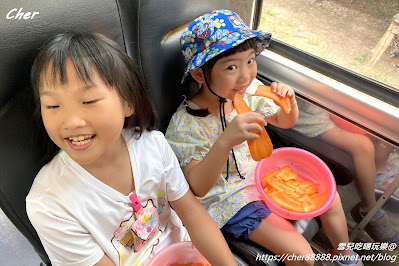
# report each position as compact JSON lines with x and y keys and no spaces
{"x":215,"y":32}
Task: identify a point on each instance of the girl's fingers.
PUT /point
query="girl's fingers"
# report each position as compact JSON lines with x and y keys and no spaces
{"x":282,"y":89}
{"x":253,"y":122}
{"x":274,"y":86}
{"x":252,"y":136}
{"x":254,"y":127}
{"x":251,"y":117}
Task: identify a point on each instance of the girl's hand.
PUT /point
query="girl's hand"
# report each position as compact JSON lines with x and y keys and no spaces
{"x":242,"y":128}
{"x":282,"y":119}
{"x":283,"y":90}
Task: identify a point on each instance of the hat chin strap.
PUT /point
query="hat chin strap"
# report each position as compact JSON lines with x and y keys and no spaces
{"x":222,"y":115}
{"x":221,"y":99}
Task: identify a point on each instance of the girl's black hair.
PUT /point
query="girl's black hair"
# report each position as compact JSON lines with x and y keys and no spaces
{"x":190,"y":86}
{"x":90,"y":52}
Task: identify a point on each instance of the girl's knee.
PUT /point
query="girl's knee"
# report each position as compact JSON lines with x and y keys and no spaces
{"x":337,"y":200}
{"x":364,"y":145}
{"x":336,"y":206}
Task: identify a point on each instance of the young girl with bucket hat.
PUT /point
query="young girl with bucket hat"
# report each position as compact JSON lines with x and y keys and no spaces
{"x":206,"y":132}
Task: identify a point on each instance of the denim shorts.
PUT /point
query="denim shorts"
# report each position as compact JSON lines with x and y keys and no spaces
{"x":247,"y":219}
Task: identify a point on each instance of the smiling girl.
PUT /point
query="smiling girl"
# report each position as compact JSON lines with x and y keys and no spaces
{"x":209,"y":137}
{"x":104,"y":197}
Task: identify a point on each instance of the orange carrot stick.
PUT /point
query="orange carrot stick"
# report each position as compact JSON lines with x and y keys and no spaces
{"x":266,"y":91}
{"x":259,"y":148}
{"x":264,"y":179}
{"x":287,"y":173}
{"x":283,"y":188}
{"x":287,"y":202}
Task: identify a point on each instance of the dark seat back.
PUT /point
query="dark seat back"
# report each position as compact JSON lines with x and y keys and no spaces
{"x":162,"y":61}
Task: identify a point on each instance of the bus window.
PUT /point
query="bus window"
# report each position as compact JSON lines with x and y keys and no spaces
{"x":357,"y":35}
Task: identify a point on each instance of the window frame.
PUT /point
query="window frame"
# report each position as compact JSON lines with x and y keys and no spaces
{"x":336,"y":91}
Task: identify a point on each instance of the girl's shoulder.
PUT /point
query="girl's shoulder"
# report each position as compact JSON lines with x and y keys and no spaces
{"x":152,"y":134}
{"x":147,"y":137}
{"x":49,"y":174}
{"x":181,"y":110}
{"x":181,"y":117}
{"x":56,"y":165}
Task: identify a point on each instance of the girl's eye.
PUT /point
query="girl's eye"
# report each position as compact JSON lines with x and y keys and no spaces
{"x":232,"y":67}
{"x":52,"y":106}
{"x":250,"y":61}
{"x":89,"y":102}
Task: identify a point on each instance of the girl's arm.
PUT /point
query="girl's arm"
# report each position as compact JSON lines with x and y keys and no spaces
{"x":203,"y":231}
{"x":203,"y":174}
{"x":282,"y":119}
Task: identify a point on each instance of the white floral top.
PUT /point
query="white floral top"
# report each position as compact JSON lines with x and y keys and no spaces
{"x":191,"y":137}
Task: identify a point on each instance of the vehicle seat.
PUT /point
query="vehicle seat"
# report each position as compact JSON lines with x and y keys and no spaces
{"x":139,"y":26}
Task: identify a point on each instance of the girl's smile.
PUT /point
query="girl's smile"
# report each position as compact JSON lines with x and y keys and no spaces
{"x":80,"y":142}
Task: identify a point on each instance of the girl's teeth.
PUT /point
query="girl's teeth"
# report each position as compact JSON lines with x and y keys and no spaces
{"x":80,"y":143}
{"x":80,"y":140}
